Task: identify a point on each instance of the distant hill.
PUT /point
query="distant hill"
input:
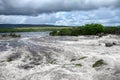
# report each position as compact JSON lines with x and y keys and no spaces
{"x":27,"y":25}
{"x":33,"y":25}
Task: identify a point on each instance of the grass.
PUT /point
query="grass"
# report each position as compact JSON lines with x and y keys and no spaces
{"x":31,"y":29}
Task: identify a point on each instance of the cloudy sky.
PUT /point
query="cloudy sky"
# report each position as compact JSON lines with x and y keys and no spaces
{"x":60,"y":12}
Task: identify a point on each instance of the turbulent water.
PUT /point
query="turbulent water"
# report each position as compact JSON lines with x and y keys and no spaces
{"x":38,"y":56}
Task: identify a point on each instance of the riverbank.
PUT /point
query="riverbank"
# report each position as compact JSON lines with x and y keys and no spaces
{"x":67,"y":31}
{"x":31,"y":29}
{"x":87,"y":29}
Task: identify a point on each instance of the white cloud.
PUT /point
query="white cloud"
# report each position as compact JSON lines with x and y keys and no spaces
{"x":12,"y":19}
{"x":104,"y":16}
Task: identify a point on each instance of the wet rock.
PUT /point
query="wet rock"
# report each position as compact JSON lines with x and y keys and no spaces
{"x":99,"y":63}
{"x":100,"y":34}
{"x":35,"y":63}
{"x":110,"y":44}
{"x":114,"y":43}
{"x":26,"y":66}
{"x":73,"y":60}
{"x":13,"y":57}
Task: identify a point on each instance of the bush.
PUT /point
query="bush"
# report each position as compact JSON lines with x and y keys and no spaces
{"x":77,"y":31}
{"x":62,"y":32}
{"x":54,"y":33}
{"x":112,"y":30}
{"x":14,"y":35}
{"x":88,"y":29}
{"x":4,"y":35}
{"x":93,"y":29}
{"x":65,"y":32}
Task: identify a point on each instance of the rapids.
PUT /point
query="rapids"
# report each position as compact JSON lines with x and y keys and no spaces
{"x":38,"y":56}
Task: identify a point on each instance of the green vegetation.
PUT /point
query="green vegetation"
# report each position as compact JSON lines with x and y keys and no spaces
{"x":13,"y":35}
{"x":79,"y":65}
{"x":4,"y":35}
{"x":52,"y":61}
{"x":88,"y":29}
{"x":99,"y":63}
{"x":112,"y":30}
{"x":31,"y":29}
{"x":92,"y":29}
{"x":62,"y":32}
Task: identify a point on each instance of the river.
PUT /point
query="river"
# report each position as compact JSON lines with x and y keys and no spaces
{"x":38,"y":56}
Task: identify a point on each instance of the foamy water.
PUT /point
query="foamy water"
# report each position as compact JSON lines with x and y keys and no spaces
{"x":59,"y":58}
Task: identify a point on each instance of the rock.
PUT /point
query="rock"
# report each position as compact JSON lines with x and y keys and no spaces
{"x":13,"y":57}
{"x":110,"y":44}
{"x":100,"y":34}
{"x":73,"y":60}
{"x":114,"y":43}
{"x":99,"y":63}
{"x":26,"y":66}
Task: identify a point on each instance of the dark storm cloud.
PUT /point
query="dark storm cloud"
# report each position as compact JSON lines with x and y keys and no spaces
{"x":35,"y":7}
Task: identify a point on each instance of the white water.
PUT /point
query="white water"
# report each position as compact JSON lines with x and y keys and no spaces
{"x":49,"y":58}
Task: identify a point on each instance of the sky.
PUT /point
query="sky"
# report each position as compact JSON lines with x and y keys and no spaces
{"x":60,"y":12}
